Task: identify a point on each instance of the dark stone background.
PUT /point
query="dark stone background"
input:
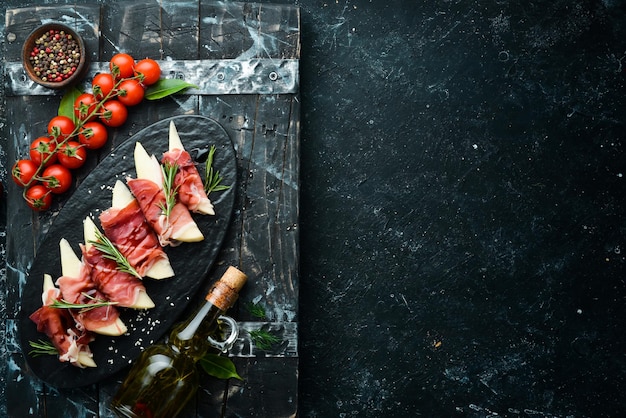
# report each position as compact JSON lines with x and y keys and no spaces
{"x":462,"y":208}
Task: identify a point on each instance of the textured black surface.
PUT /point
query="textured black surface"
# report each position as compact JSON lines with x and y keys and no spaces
{"x":190,"y":261}
{"x":463,"y":209}
{"x":463,"y":205}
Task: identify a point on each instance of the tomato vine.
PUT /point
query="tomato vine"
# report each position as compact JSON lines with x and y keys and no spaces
{"x":81,"y":124}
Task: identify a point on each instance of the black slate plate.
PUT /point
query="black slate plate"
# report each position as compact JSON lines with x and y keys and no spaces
{"x":191,"y":261}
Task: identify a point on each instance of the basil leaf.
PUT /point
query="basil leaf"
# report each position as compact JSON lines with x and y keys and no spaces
{"x":66,"y":107}
{"x":166,"y":87}
{"x":219,"y":366}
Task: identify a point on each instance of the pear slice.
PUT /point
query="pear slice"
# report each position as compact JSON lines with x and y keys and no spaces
{"x":48,"y":284}
{"x":86,"y":360}
{"x":147,"y":167}
{"x":89,"y":232}
{"x":162,"y":269}
{"x":70,"y":263}
{"x":174,"y":139}
{"x":143,"y":301}
{"x":49,"y":289}
{"x":189,"y":233}
{"x":115,"y":329}
{"x":206,"y":207}
{"x":122,"y":196}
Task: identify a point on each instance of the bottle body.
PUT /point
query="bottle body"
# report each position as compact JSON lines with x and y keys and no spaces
{"x":158,"y":385}
{"x":165,"y":377}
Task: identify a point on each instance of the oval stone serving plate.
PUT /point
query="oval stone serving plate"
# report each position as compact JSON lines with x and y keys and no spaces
{"x":191,"y":261}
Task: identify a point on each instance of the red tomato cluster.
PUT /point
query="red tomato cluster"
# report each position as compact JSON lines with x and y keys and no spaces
{"x":47,"y":170}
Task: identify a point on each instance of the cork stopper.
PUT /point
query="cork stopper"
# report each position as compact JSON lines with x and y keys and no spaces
{"x":225,"y":291}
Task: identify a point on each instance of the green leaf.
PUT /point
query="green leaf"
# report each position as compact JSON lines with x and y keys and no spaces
{"x":166,"y":87}
{"x":66,"y":107}
{"x":219,"y":366}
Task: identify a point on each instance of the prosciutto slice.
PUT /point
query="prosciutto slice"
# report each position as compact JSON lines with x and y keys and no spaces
{"x":130,"y":232}
{"x":116,"y":286}
{"x":188,"y":181}
{"x":82,"y":290}
{"x":59,"y":326}
{"x":151,"y":199}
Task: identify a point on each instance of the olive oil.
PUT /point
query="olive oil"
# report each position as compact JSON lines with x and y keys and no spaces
{"x":165,"y":377}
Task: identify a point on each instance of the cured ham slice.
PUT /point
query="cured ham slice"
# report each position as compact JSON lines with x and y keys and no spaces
{"x":190,"y":187}
{"x":102,"y":319}
{"x":116,"y":285}
{"x":127,"y":228}
{"x":147,"y":188}
{"x":58,"y":324}
{"x":171,"y":230}
{"x":188,"y":181}
{"x":77,"y":288}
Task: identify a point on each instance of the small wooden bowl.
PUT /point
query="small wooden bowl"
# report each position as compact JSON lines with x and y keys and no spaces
{"x":30,"y":44}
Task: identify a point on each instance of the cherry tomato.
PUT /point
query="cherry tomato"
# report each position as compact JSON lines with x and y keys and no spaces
{"x":114,"y":113}
{"x":93,"y":135}
{"x":42,"y":149}
{"x":57,"y":178}
{"x":130,"y":92}
{"x":38,"y":197}
{"x":148,"y":70}
{"x":23,"y":171}
{"x":60,"y":127}
{"x":102,"y":85}
{"x":121,"y":66}
{"x":84,"y":106}
{"x":72,"y":154}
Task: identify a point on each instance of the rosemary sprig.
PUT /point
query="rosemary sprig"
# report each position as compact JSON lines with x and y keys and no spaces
{"x":108,"y":250}
{"x":169,"y":171}
{"x":42,"y":348}
{"x":256,"y":310}
{"x":63,"y":304}
{"x":212,"y":178}
{"x":263,"y":339}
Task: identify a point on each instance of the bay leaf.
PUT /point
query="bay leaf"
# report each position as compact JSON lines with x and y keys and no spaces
{"x":219,"y":366}
{"x":166,"y":87}
{"x":66,"y":107}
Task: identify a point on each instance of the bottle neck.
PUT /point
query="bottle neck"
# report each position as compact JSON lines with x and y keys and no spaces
{"x":193,"y":325}
{"x":190,"y":337}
